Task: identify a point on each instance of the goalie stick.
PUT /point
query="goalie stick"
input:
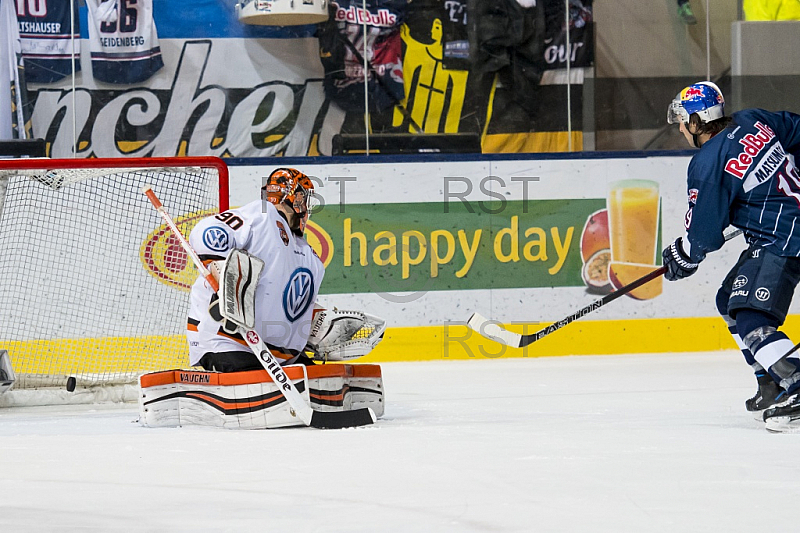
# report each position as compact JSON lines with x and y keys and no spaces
{"x":298,"y":405}
{"x":491,"y":330}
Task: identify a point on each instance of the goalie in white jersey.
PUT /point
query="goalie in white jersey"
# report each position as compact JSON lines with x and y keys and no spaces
{"x":271,"y":230}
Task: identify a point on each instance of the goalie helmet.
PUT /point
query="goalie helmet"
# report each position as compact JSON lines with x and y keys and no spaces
{"x":292,"y":188}
{"x":703,"y":98}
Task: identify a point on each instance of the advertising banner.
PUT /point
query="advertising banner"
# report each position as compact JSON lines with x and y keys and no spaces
{"x":156,"y":78}
{"x":524,"y":240}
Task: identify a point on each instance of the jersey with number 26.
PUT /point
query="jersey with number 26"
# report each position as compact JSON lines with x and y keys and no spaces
{"x":746,"y":176}
{"x":286,"y":290}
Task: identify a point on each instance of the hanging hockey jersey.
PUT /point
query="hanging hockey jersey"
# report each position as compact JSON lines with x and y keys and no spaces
{"x":122,"y":40}
{"x":286,"y":290}
{"x":342,"y":48}
{"x":455,"y":39}
{"x":12,"y":80}
{"x":48,"y":42}
{"x":746,"y":176}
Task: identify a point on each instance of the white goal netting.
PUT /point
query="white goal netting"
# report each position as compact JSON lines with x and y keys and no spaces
{"x":94,"y":285}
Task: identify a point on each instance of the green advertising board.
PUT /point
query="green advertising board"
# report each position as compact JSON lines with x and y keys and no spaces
{"x":455,"y":246}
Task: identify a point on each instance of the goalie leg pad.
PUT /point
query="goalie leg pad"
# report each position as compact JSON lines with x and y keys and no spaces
{"x":250,"y":400}
{"x":236,"y":400}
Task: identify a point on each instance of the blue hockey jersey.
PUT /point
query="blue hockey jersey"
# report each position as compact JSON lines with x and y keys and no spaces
{"x":746,"y":176}
{"x":48,"y":39}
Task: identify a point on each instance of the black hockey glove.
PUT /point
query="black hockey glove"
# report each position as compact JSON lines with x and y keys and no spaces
{"x":213,"y":310}
{"x":678,"y":265}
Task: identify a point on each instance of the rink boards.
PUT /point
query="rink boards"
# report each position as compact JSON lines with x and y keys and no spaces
{"x":425,"y":244}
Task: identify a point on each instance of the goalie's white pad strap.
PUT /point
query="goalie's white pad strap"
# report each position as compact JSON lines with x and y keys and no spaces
{"x":237,"y":288}
{"x":338,"y":335}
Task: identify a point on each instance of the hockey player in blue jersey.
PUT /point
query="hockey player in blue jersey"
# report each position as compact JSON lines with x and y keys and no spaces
{"x":744,"y":175}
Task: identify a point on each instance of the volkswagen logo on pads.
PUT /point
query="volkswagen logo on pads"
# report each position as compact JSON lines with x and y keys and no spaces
{"x":216,"y":239}
{"x":298,"y":294}
{"x":762,"y":294}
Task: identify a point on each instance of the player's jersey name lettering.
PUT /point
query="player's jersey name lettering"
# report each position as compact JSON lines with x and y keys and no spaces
{"x":111,"y":42}
{"x":753,"y":144}
{"x":40,"y":27}
{"x":765,"y":168}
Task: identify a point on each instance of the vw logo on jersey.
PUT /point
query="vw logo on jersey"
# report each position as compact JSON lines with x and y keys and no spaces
{"x":739,"y":282}
{"x":298,"y":294}
{"x":216,"y":239}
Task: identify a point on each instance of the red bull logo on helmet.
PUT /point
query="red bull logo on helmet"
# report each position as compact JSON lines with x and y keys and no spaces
{"x":691,"y":92}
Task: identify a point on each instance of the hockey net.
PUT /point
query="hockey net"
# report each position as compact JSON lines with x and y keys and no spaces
{"x":95,"y":287}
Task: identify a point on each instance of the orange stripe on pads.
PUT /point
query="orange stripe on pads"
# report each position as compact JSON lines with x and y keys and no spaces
{"x":328,"y":397}
{"x":198,"y":377}
{"x":191,"y":327}
{"x":229,"y":405}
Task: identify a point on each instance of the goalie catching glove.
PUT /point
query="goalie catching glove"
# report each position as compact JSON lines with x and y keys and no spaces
{"x":341,"y":335}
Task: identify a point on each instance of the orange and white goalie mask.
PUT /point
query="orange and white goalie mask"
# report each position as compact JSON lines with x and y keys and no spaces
{"x":291,"y":188}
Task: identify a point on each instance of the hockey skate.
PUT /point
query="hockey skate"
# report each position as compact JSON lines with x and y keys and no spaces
{"x":767,"y":395}
{"x":784,"y":416}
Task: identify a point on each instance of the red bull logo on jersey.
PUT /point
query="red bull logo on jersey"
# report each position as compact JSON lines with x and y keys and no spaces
{"x":753,"y":145}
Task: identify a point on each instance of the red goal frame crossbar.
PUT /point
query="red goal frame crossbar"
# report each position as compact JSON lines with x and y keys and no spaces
{"x":36,"y":163}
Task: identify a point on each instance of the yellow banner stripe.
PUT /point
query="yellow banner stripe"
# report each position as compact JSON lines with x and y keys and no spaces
{"x":598,"y":337}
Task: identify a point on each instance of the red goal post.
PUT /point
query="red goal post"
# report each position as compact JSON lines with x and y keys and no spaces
{"x":94,"y":287}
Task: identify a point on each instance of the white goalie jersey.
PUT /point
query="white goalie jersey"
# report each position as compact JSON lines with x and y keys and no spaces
{"x":287,"y":287}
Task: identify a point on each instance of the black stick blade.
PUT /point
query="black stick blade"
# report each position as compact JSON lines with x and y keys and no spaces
{"x":343,"y":419}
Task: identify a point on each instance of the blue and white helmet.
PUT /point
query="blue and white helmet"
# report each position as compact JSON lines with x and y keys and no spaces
{"x":703,"y":98}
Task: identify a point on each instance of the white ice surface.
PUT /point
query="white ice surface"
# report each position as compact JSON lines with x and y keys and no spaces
{"x":638,"y":443}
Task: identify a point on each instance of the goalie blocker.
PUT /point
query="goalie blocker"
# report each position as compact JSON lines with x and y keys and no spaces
{"x":251,"y":400}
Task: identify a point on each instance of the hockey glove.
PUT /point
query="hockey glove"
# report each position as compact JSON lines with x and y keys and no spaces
{"x":213,"y":310}
{"x":678,"y":265}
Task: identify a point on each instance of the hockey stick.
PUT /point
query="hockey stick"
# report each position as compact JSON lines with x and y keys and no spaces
{"x":297,"y":404}
{"x":491,"y":330}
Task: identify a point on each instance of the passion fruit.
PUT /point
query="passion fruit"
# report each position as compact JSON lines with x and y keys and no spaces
{"x":622,"y":274}
{"x":595,"y":235}
{"x":595,"y":272}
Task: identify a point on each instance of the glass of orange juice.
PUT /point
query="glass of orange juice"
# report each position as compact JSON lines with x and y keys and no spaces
{"x":633,"y":212}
